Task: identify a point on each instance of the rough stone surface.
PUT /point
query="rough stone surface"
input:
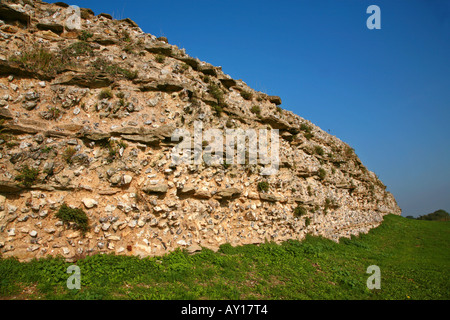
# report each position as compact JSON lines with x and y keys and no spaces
{"x":99,"y":136}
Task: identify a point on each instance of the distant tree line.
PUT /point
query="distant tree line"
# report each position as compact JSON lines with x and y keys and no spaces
{"x":439,"y":215}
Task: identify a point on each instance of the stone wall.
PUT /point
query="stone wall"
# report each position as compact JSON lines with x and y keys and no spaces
{"x":92,"y":114}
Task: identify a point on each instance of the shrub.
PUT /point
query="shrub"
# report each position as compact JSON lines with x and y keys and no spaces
{"x":68,"y":154}
{"x":318,"y":150}
{"x":305,"y":127}
{"x":279,"y":109}
{"x":307,"y":221}
{"x":129,"y":49}
{"x":122,"y":144}
{"x":27,"y":176}
{"x":78,"y":216}
{"x":8,"y":139}
{"x":439,"y":215}
{"x":216,"y":92}
{"x":106,"y":94}
{"x":113,"y":148}
{"x":12,"y":143}
{"x":85,"y":35}
{"x":307,"y":131}
{"x":130,"y":75}
{"x":160,"y":58}
{"x":322,"y":173}
{"x":121,"y":103}
{"x":112,"y":153}
{"x":53,"y":113}
{"x":126,"y":36}
{"x":46,"y":149}
{"x":263,"y":186}
{"x":255,"y":109}
{"x":218,"y":109}
{"x":349,"y":151}
{"x":120,"y":95}
{"x":331,"y":203}
{"x":184,"y":67}
{"x":300,"y":211}
{"x":246,"y":95}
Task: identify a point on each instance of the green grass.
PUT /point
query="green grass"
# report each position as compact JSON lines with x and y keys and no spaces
{"x":113,"y":69}
{"x":38,"y":58}
{"x":77,"y":49}
{"x":413,"y":256}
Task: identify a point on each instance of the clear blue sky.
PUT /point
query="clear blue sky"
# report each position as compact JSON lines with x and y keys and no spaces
{"x":385,"y":92}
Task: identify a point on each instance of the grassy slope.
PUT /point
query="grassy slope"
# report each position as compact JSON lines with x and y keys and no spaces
{"x":413,"y":256}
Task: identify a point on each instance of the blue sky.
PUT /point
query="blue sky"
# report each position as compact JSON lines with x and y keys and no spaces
{"x":385,"y":92}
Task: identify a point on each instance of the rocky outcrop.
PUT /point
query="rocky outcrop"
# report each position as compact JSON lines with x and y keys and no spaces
{"x":100,"y":80}
{"x":91,"y":127}
{"x":11,"y":14}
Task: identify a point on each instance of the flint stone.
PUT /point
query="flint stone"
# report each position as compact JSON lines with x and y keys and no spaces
{"x":89,"y":203}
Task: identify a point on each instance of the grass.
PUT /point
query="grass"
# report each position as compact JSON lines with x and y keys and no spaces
{"x":113,"y":148}
{"x":53,"y":113}
{"x":40,"y":59}
{"x":413,"y":257}
{"x":68,"y":154}
{"x":77,"y":49}
{"x":105,"y":94}
{"x":113,"y":69}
